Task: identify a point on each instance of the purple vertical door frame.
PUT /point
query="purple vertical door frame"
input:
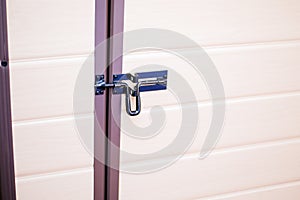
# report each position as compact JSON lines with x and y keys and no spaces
{"x":114,"y":101}
{"x":101,"y":34}
{"x":109,"y":21}
{"x":7,"y":174}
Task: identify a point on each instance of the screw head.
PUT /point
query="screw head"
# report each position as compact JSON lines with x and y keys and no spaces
{"x":4,"y":63}
{"x":99,"y":92}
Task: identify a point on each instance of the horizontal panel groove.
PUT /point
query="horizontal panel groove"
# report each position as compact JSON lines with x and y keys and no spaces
{"x":260,"y":145}
{"x":52,"y":119}
{"x":256,"y":97}
{"x":253,"y":97}
{"x":52,"y":88}
{"x":68,"y":185}
{"x":252,"y":190}
{"x":54,"y":145}
{"x":244,"y":71}
{"x":220,"y":173}
{"x":269,"y":118}
{"x":253,"y":44}
{"x":226,"y":150}
{"x":226,"y":22}
{"x":56,"y":28}
{"x":212,"y":48}
{"x":207,"y":48}
{"x":49,"y":174}
{"x":248,"y":44}
{"x":52,"y":58}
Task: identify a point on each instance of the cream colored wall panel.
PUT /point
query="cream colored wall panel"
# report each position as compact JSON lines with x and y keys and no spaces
{"x":49,"y":88}
{"x":290,"y":191}
{"x":73,"y":185}
{"x":218,"y":22}
{"x":244,"y":70}
{"x":222,"y":172}
{"x":53,"y":145}
{"x":50,"y":28}
{"x":247,"y":121}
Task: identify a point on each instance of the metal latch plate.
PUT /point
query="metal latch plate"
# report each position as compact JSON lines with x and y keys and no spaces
{"x":132,"y":85}
{"x":160,"y":77}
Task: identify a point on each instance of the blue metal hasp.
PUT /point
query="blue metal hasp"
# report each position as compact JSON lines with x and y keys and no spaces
{"x":146,"y":81}
{"x":132,"y":85}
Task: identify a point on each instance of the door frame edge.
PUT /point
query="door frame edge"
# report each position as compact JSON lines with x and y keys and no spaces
{"x":7,"y":169}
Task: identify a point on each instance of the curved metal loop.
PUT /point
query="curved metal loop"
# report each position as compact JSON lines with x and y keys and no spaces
{"x":144,"y":82}
{"x":128,"y":99}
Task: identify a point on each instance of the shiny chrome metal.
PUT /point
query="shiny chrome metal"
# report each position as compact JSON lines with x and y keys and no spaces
{"x":142,"y":82}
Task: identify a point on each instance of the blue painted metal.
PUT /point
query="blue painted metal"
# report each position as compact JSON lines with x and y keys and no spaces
{"x":132,"y":85}
{"x":142,"y":76}
{"x":155,"y":74}
{"x":135,"y":79}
